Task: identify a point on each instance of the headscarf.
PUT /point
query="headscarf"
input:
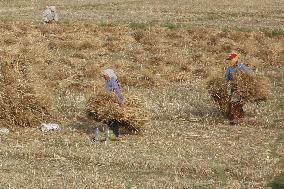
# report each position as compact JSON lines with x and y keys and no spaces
{"x":52,"y":8}
{"x":110,"y":73}
{"x":233,"y":55}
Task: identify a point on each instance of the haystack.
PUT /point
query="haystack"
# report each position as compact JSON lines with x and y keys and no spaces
{"x":23,"y":107}
{"x":104,"y":106}
{"x":21,"y":103}
{"x":217,"y":88}
{"x":251,"y":88}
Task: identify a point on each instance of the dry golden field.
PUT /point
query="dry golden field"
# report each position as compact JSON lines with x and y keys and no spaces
{"x":202,"y":13}
{"x":164,"y":52}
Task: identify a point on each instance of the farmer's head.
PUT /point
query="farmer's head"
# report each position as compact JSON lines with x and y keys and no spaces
{"x":52,"y":8}
{"x":233,"y":58}
{"x":109,"y":74}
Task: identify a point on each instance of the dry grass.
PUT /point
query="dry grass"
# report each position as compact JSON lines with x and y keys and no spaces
{"x":23,"y":102}
{"x":186,"y":143}
{"x":244,"y":16}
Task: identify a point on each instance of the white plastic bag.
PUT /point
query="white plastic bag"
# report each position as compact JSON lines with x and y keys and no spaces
{"x":4,"y":131}
{"x":49,"y":127}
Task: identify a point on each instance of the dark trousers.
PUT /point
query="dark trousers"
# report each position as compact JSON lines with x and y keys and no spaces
{"x":114,"y":126}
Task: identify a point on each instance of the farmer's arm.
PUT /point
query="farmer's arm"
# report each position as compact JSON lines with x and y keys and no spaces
{"x":245,"y":68}
{"x":109,"y":85}
{"x":227,"y":74}
{"x":55,"y":17}
{"x":228,"y":77}
{"x":118,"y":92}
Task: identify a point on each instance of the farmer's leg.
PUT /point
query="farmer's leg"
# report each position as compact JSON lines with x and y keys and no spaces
{"x":233,"y":113}
{"x":114,"y":126}
{"x":228,"y":109}
{"x":241,"y":113}
{"x":238,"y":112}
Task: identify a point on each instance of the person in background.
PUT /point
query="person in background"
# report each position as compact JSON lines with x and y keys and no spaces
{"x":236,"y":112}
{"x":112,"y":85}
{"x":50,"y":14}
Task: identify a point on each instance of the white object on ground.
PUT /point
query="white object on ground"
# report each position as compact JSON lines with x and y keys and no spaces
{"x":107,"y":132}
{"x":49,"y":127}
{"x":97,"y":134}
{"x":4,"y":131}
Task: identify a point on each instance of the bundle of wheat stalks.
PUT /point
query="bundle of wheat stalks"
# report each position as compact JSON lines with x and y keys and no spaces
{"x":21,"y":104}
{"x":23,"y":107}
{"x":217,"y":88}
{"x":132,"y":114}
{"x":250,"y":87}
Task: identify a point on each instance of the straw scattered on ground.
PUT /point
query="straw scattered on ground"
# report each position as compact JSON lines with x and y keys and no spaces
{"x":185,"y":144}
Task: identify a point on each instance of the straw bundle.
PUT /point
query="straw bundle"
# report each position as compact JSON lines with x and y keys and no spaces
{"x":250,"y":87}
{"x":138,"y":80}
{"x":217,"y":88}
{"x":104,"y":107}
{"x":22,"y":104}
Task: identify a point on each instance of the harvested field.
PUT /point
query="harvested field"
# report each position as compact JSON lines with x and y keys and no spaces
{"x":244,"y":15}
{"x":163,"y":53}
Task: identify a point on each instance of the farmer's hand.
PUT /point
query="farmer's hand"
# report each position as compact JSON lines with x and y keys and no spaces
{"x":229,"y":92}
{"x":95,"y":87}
{"x":229,"y":89}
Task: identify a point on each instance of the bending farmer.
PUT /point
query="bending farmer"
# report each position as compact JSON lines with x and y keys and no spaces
{"x":111,"y":84}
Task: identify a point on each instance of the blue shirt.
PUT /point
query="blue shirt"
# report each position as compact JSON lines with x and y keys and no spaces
{"x":112,"y":85}
{"x":231,"y":69}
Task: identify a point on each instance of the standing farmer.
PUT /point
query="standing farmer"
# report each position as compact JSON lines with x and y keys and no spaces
{"x":236,"y":112}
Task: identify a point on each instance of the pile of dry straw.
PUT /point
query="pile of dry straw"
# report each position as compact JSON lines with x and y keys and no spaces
{"x":21,"y":103}
{"x":104,"y":106}
{"x":250,"y":87}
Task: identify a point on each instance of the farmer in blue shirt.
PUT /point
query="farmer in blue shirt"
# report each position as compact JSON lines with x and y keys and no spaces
{"x":111,"y":84}
{"x":236,"y":112}
{"x":234,"y":64}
